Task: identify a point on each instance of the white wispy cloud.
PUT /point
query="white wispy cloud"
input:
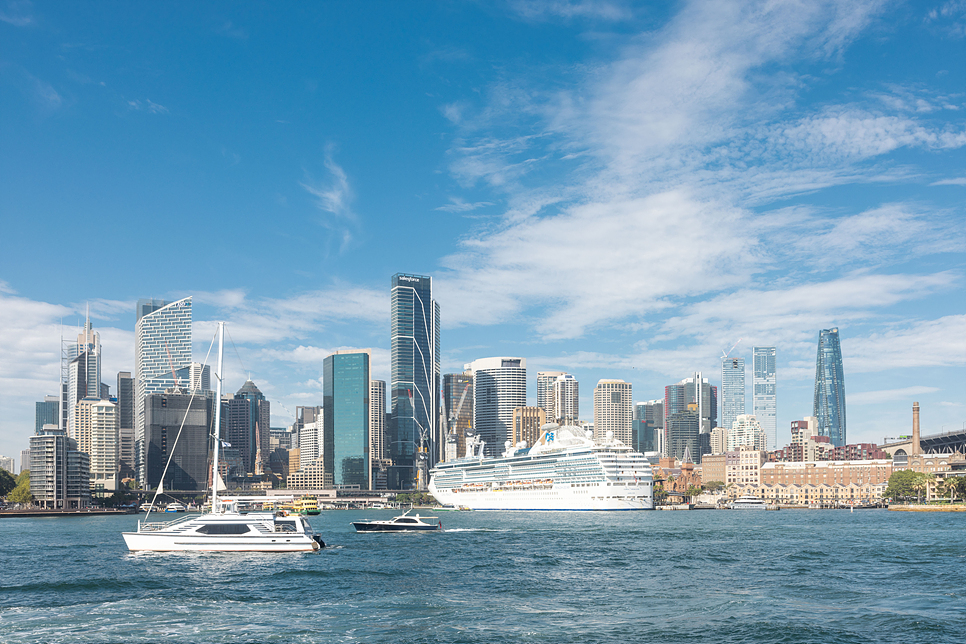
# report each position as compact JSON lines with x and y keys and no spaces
{"x":148,"y":106}
{"x":888,"y":395}
{"x":957,"y":181}
{"x":334,"y":196}
{"x":17,"y":13}
{"x":457,"y":204}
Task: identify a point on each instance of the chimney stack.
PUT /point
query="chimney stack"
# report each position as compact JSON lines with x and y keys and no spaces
{"x":915,"y":428}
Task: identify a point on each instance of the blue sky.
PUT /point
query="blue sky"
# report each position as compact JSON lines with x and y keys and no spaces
{"x":613,"y":189}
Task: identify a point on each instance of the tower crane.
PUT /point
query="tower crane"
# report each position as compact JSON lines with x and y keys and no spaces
{"x":725,"y":355}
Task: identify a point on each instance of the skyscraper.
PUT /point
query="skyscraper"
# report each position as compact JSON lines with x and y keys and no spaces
{"x":829,"y":404}
{"x":566,"y":400}
{"x":97,"y":427}
{"x":83,"y":372}
{"x":458,"y":410}
{"x":248,"y":430}
{"x":415,"y":376}
{"x":162,"y":352}
{"x":765,"y":394}
{"x":165,"y":415}
{"x":345,"y":407}
{"x":613,"y":410}
{"x":499,"y":386}
{"x":683,"y":431}
{"x":377,"y":420}
{"x":47,"y":413}
{"x":732,"y":389}
{"x":545,"y":399}
{"x":677,"y":397}
{"x":649,"y":426}
{"x":125,"y":431}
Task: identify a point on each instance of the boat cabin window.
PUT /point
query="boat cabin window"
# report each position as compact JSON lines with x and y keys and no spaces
{"x":285,"y":526}
{"x":223,"y":528}
{"x":404,"y":520}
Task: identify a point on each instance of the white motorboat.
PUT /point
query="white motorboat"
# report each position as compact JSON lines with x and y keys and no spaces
{"x":749,"y":502}
{"x":403,"y":523}
{"x":175,"y":507}
{"x":225,"y":528}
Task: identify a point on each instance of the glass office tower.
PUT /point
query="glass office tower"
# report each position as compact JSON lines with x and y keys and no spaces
{"x":764,"y":396}
{"x":345,"y":410}
{"x":829,"y":406}
{"x":415,"y":376}
{"x":732,"y":390}
{"x":162,"y":345}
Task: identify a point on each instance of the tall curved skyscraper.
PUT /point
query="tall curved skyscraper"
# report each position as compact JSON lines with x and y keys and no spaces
{"x":415,"y":373}
{"x":829,"y":406}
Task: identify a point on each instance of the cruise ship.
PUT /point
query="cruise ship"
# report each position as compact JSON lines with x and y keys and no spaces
{"x":564,"y":470}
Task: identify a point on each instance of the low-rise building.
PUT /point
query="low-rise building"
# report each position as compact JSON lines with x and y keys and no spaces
{"x":874,"y":472}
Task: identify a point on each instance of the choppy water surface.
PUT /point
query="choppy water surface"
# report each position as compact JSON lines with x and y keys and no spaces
{"x":713,"y":576}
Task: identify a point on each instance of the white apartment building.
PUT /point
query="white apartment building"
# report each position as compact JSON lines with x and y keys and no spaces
{"x":746,"y":431}
{"x":566,"y":403}
{"x":97,"y":424}
{"x":499,"y":387}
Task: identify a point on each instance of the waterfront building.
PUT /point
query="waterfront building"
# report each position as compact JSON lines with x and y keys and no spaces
{"x":59,"y":472}
{"x":613,"y":410}
{"x":311,"y":477}
{"x":294,"y":461}
{"x":97,"y":435}
{"x":499,"y":387}
{"x":678,"y":396}
{"x":345,"y":409}
{"x":249,"y":426}
{"x":7,"y":463}
{"x":545,"y":394}
{"x":47,"y":412}
{"x":458,"y":411}
{"x":566,"y":401}
{"x":527,"y":422}
{"x":746,"y":430}
{"x":732,"y":390}
{"x":305,"y":415}
{"x":199,"y":377}
{"x":25,"y":458}
{"x":83,"y":371}
{"x":863,"y":472}
{"x":764,"y":396}
{"x":683,"y":429}
{"x":176,"y":425}
{"x":162,"y":354}
{"x":829,"y":403}
{"x":415,"y":376}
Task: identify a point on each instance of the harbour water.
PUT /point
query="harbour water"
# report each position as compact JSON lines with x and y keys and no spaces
{"x":713,"y":576}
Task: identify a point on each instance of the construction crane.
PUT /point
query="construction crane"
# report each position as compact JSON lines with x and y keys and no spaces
{"x":725,"y":355}
{"x":422,"y":457}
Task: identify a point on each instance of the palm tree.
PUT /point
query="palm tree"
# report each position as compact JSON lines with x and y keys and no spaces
{"x":921,"y":484}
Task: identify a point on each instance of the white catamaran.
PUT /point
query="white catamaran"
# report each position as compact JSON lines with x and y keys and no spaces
{"x":225,"y":528}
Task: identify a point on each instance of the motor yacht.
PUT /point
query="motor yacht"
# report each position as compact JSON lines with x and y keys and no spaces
{"x":403,"y":523}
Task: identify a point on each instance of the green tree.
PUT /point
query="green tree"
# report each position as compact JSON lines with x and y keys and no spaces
{"x":900,"y":485}
{"x":693,"y":491}
{"x":7,"y":482}
{"x":713,"y":486}
{"x":21,"y":493}
{"x":660,"y":494}
{"x":24,"y":476}
{"x":921,"y":483}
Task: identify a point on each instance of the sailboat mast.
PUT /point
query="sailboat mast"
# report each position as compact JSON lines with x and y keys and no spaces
{"x":214,"y":458}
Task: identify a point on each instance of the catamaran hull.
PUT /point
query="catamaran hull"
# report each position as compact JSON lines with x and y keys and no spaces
{"x":177,"y":542}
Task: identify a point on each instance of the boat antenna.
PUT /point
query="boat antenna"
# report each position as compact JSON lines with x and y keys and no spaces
{"x":214,"y":457}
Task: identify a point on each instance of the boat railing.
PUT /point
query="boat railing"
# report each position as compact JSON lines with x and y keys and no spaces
{"x":156,"y":526}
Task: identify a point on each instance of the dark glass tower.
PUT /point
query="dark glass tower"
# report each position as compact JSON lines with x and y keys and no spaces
{"x":345,"y":409}
{"x":249,"y":417}
{"x":829,"y":406}
{"x":415,"y":376}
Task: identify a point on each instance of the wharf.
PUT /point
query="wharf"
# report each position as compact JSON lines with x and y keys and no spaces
{"x":63,"y":513}
{"x":928,"y":508}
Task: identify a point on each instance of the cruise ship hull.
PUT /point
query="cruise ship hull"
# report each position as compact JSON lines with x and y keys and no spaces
{"x":580,"y":499}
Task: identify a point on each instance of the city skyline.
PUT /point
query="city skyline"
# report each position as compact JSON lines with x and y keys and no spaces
{"x":582,"y":193}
